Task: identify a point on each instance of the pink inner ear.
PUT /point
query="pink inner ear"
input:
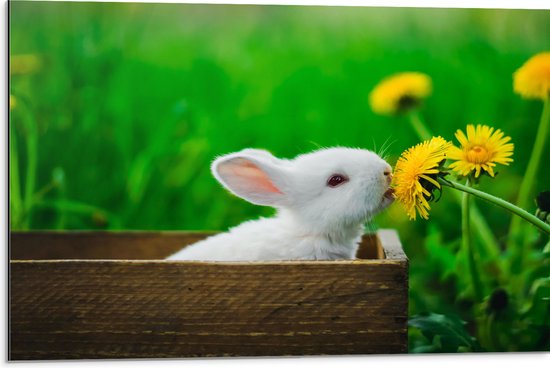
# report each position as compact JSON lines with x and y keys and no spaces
{"x":255,"y":178}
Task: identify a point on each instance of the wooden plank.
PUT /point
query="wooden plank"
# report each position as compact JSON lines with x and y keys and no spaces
{"x":124,"y":244}
{"x":100,"y":244}
{"x":124,"y":308}
{"x":390,"y":243}
{"x":144,"y":309}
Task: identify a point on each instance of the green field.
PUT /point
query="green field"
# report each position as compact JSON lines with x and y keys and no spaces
{"x":127,"y":104}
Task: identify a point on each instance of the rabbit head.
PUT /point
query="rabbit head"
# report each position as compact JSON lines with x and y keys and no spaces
{"x":326,"y":189}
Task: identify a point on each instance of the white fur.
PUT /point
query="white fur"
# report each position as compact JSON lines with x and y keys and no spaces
{"x":313,"y":221}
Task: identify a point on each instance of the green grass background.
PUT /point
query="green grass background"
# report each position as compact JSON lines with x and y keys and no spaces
{"x":133,"y":101}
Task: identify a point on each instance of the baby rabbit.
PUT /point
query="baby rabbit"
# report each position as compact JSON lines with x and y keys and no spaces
{"x":322,"y":200}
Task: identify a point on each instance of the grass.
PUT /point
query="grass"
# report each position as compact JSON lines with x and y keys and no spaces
{"x":131,"y":102}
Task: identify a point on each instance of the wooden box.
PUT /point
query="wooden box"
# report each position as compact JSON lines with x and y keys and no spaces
{"x":91,"y":295}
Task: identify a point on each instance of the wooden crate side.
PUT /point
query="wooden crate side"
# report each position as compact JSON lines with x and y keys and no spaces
{"x":100,"y":244}
{"x":153,"y":309}
{"x":123,"y":245}
{"x":389,"y":243}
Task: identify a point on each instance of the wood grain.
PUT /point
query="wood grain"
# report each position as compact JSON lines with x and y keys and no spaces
{"x":100,"y":244}
{"x":127,"y":244}
{"x":75,"y":309}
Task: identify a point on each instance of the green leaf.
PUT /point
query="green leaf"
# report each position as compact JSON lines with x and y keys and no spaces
{"x":138,"y":177}
{"x":440,"y":253}
{"x":185,"y":163}
{"x":423,"y":349}
{"x":538,"y":308}
{"x":446,"y":333}
{"x":79,"y":208}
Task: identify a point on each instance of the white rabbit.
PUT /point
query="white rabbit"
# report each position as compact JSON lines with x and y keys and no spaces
{"x":322,"y":198}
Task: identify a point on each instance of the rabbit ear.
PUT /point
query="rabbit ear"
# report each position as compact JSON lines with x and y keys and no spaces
{"x":259,"y":153}
{"x":253,"y":175}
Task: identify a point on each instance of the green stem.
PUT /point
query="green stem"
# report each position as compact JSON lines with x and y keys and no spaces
{"x":481,"y":227}
{"x":525,"y":195}
{"x":42,"y":192}
{"x":15,"y":184}
{"x":468,"y":246}
{"x":419,"y":127}
{"x":526,"y":188}
{"x":32,"y":155}
{"x":59,"y":178}
{"x":542,"y":226}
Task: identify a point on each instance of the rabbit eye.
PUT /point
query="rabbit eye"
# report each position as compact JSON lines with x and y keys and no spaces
{"x":336,"y":180}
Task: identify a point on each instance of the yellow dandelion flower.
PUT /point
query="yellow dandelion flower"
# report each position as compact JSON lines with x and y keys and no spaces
{"x":481,"y":148}
{"x":13,"y":102}
{"x":400,"y":92}
{"x":532,"y":80}
{"x":415,"y":175}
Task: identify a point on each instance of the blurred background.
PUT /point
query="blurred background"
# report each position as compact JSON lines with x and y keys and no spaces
{"x":117,"y":109}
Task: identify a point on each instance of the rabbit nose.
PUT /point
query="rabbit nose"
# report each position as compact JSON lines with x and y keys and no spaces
{"x":388,"y":175}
